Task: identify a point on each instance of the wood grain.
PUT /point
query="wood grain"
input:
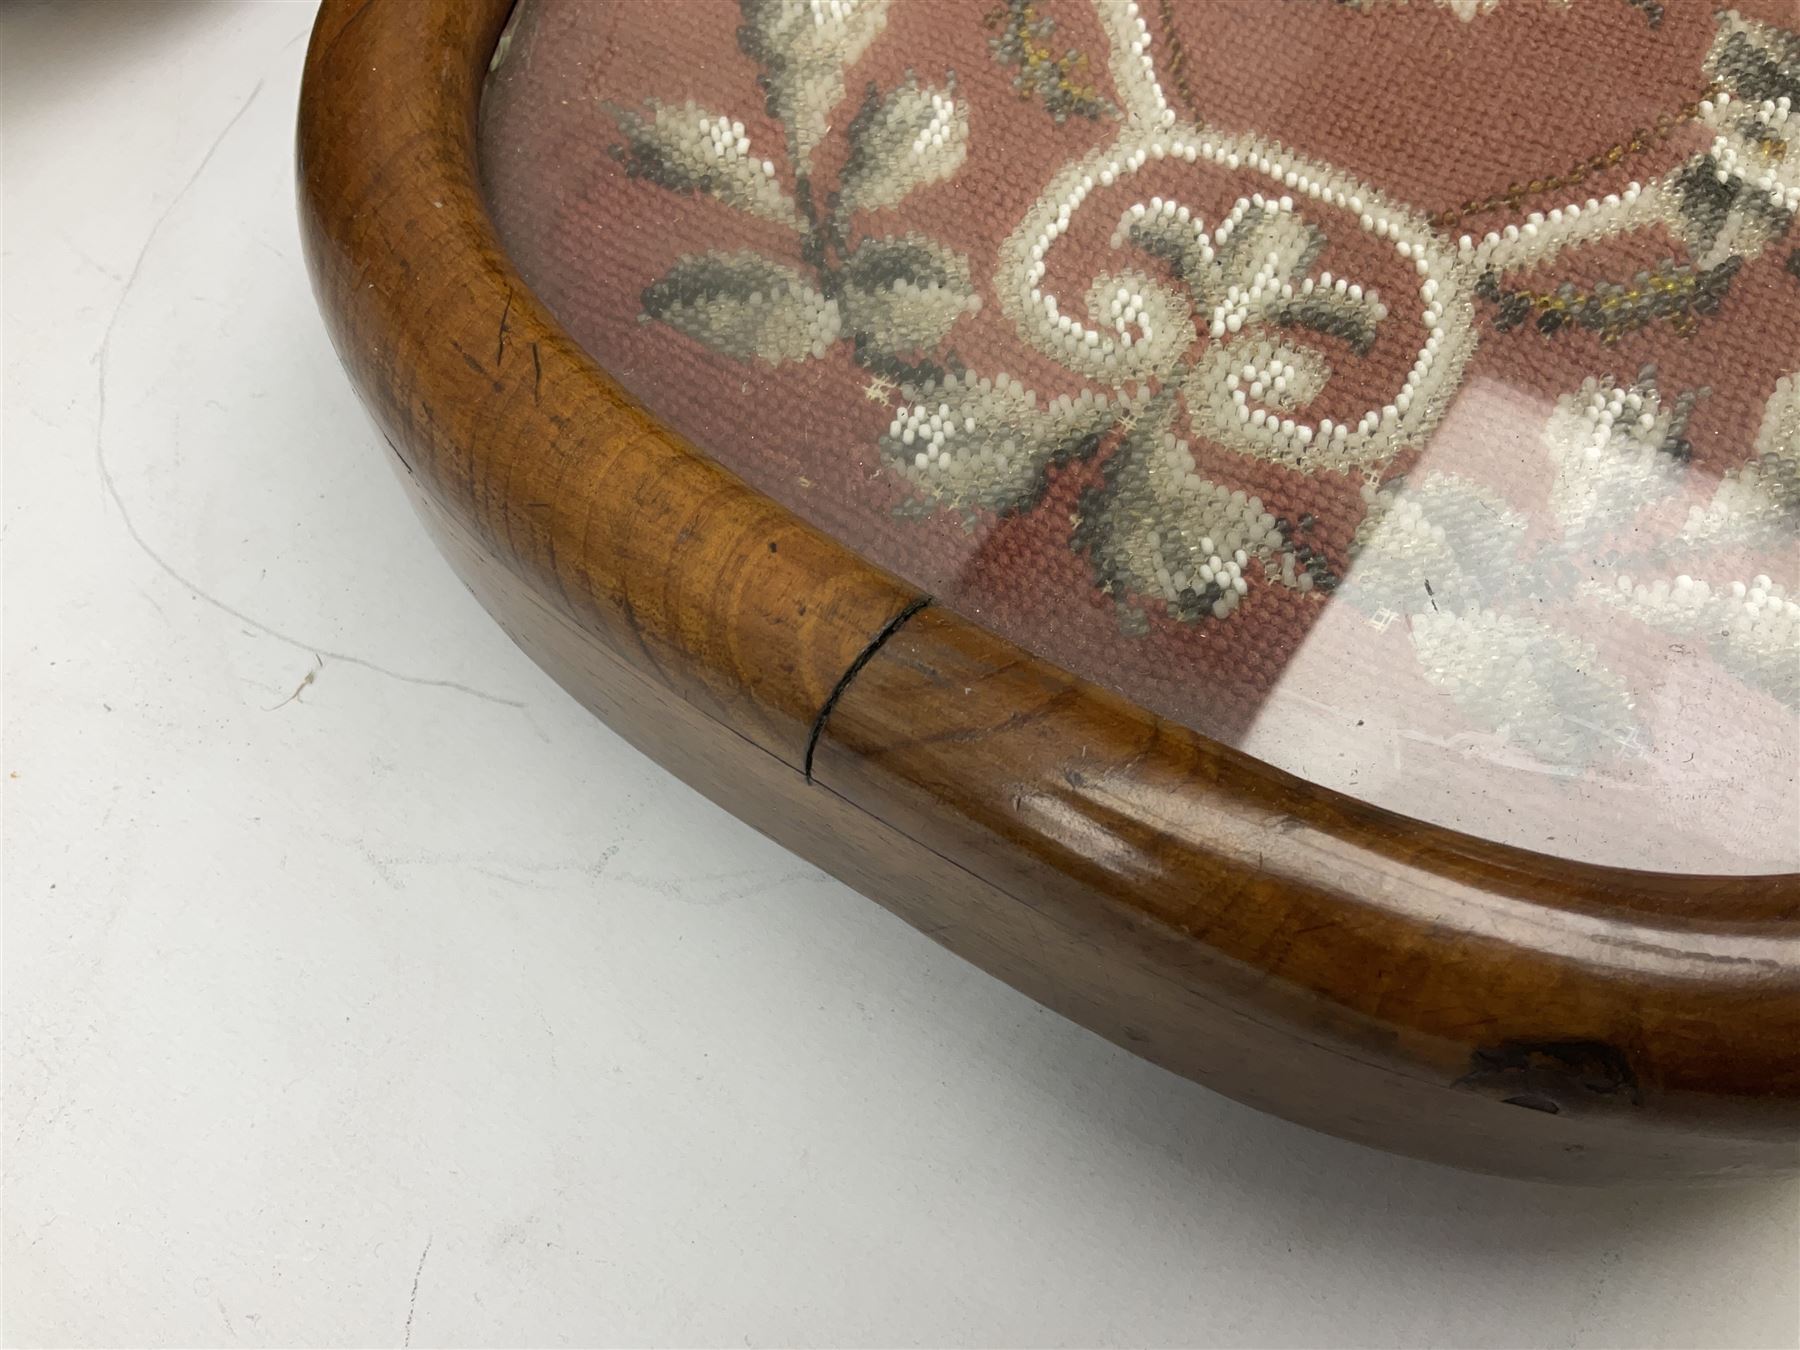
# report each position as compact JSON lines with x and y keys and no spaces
{"x":1574,"y":1002}
{"x":1386,"y":980}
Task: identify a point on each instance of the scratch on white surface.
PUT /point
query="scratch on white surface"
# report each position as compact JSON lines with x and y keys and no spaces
{"x":101,"y":357}
{"x":489,"y":864}
{"x":86,"y":260}
{"x":412,"y":1302}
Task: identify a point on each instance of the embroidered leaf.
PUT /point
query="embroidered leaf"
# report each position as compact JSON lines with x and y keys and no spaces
{"x":1540,"y":689}
{"x":1443,"y":544}
{"x":1263,"y":239}
{"x":1752,"y":627}
{"x":902,"y":294}
{"x":1170,"y":232}
{"x":691,"y":150}
{"x":745,"y":305}
{"x":1680,"y":294}
{"x":972,"y":442}
{"x":804,"y":47}
{"x":1616,"y":451}
{"x":1759,"y":500}
{"x":1252,"y":269}
{"x":1157,"y":529}
{"x":1748,"y":183}
{"x":914,"y":136}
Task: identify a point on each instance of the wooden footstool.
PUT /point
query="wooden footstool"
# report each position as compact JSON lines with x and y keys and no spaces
{"x":1271,"y":528}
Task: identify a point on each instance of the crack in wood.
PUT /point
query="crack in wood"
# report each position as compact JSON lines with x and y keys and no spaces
{"x":850,"y":673}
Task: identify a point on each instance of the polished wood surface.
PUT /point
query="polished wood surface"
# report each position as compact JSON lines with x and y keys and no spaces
{"x":1386,"y":980}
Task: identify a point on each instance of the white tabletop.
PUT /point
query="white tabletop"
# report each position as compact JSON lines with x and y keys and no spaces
{"x":361,"y":989}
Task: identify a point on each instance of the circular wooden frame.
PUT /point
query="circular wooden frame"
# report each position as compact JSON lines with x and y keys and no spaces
{"x":1347,"y":968}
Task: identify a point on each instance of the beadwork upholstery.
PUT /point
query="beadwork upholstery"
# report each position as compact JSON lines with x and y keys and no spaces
{"x":1406,"y":392}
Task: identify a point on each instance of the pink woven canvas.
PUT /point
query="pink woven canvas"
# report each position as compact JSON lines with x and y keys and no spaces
{"x":1408,"y":392}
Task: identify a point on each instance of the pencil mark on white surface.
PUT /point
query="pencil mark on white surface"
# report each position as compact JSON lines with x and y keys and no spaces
{"x":150,"y":600}
{"x":386,"y":866}
{"x":42,"y":1228}
{"x":111,"y":487}
{"x":412,"y":1303}
{"x":552,"y":1035}
{"x":705,"y":891}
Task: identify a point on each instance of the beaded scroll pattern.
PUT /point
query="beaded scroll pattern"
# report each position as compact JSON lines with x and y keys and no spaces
{"x":1157,"y":531}
{"x":1616,"y":452}
{"x":1224,"y":331}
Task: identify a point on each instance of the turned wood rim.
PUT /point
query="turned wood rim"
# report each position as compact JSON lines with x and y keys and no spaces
{"x":494,"y":411}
